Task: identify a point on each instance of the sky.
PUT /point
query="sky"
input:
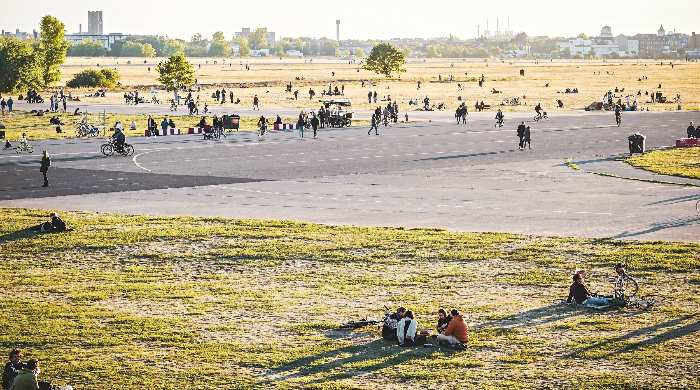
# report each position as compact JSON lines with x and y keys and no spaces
{"x":361,"y":19}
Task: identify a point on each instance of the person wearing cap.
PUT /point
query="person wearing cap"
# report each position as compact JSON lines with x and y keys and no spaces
{"x":12,"y":369}
{"x":27,"y":377}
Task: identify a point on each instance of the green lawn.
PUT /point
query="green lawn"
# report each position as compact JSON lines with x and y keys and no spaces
{"x":683,"y":162}
{"x":134,"y":302}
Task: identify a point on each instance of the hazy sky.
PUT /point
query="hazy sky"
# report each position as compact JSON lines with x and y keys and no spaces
{"x":360,"y":19}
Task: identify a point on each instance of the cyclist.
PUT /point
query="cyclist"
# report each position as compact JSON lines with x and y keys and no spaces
{"x":262,"y":124}
{"x":538,"y":110}
{"x":618,"y":115}
{"x":118,"y":137}
{"x":499,"y":118}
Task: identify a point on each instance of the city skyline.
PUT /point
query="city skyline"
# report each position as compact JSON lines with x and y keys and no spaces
{"x":359,"y":21}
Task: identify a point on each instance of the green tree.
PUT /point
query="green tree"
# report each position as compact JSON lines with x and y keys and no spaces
{"x":172,"y":47}
{"x":385,"y":59}
{"x":360,"y":53}
{"x":244,"y":47}
{"x":219,"y":47}
{"x":176,"y":72}
{"x":87,"y":48}
{"x":95,"y":78}
{"x":132,"y":49}
{"x":258,"y":39}
{"x":53,"y":48}
{"x":148,"y":51}
{"x":20,"y":68}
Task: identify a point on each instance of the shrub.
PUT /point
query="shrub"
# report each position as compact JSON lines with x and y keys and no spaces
{"x":95,"y":78}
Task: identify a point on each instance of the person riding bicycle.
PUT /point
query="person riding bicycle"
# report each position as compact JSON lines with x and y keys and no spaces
{"x":118,"y":137}
{"x":499,"y":117}
{"x":538,"y":110}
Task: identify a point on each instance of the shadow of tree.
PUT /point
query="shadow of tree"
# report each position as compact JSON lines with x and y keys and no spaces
{"x":534,"y":317}
{"x":655,"y":227}
{"x":671,"y":331}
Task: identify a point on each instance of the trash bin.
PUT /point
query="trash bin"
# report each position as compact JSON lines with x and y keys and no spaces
{"x":637,"y":143}
{"x":231,"y":122}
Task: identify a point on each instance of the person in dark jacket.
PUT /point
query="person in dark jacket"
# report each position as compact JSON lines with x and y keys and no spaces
{"x":443,"y":320}
{"x":391,"y":321}
{"x":11,"y":369}
{"x":314,"y":123}
{"x":580,"y":293}
{"x":26,"y":379}
{"x":526,"y":138}
{"x":692,"y":132}
{"x":521,"y":135}
{"x":44,"y":169}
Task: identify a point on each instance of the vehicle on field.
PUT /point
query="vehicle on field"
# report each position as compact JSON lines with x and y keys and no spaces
{"x":339,"y":112}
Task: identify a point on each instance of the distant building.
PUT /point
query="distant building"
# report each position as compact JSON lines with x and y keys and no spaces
{"x":20,"y":34}
{"x":95,"y":32}
{"x":246,"y":31}
{"x":606,"y":32}
{"x":294,"y":53}
{"x":95,"y":25}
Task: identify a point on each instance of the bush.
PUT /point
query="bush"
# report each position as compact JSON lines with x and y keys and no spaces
{"x":95,"y":78}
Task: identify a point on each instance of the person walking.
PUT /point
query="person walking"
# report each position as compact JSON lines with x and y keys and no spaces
{"x":374,"y":126}
{"x":10,"y":102}
{"x":314,"y":124}
{"x":256,"y":103}
{"x":301,"y":122}
{"x":369,"y":97}
{"x":526,"y":138}
{"x":44,"y":169}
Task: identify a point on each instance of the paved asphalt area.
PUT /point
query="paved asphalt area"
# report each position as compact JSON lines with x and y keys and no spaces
{"x":428,"y":174}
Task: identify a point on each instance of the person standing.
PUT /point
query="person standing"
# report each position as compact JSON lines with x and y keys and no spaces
{"x":10,"y":102}
{"x":521,"y":135}
{"x":301,"y":122}
{"x":314,"y":123}
{"x":44,"y":169}
{"x":526,"y":138}
{"x":369,"y":97}
{"x":27,"y":377}
{"x":65,"y":105}
{"x":3,"y":105}
{"x":374,"y":95}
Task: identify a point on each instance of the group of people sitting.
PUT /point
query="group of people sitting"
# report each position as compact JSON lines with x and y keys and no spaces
{"x":693,"y":132}
{"x":580,"y":294}
{"x":22,"y":376}
{"x":402,"y":327}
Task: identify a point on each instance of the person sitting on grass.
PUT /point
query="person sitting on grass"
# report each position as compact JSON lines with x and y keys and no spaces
{"x":443,"y":321}
{"x":56,"y":225}
{"x":391,"y":321}
{"x":26,"y":379}
{"x":579,"y":292}
{"x":407,"y":331}
{"x":457,"y":332}
{"x":12,"y":369}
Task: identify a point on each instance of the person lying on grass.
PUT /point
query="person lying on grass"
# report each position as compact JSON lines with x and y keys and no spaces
{"x":56,"y":225}
{"x":407,"y":331}
{"x":457,"y":332}
{"x":579,"y":292}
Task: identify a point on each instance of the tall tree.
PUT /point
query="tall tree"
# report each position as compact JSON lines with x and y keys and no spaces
{"x":176,"y":72}
{"x":385,"y":59}
{"x":258,"y":39}
{"x":20,"y":67}
{"x":219,"y":47}
{"x":53,"y":48}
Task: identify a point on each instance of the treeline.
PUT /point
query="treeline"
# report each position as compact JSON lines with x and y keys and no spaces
{"x":199,"y":46}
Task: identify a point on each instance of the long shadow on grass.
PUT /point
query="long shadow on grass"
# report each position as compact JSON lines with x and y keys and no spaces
{"x":18,"y":235}
{"x":655,"y":227}
{"x":672,"y":331}
{"x":534,"y":317}
{"x":342,"y":363}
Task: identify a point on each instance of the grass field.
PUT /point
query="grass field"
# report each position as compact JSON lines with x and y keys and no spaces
{"x":683,"y":162}
{"x":268,"y":77}
{"x":134,"y":302}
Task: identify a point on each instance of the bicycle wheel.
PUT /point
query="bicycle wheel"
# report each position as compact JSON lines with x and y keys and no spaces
{"x":631,"y":287}
{"x":128,"y":150}
{"x":107,"y":150}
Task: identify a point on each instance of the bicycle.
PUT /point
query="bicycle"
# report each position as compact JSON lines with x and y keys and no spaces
{"x":499,"y":123}
{"x":540,"y":117}
{"x":109,"y":148}
{"x":24,"y":148}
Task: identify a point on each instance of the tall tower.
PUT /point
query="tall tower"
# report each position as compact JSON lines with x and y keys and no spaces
{"x":95,"y":23}
{"x":337,"y":30}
